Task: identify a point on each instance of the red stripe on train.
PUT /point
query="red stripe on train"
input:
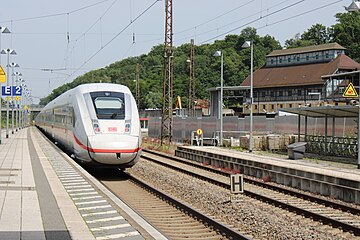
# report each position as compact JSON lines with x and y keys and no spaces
{"x":94,"y":150}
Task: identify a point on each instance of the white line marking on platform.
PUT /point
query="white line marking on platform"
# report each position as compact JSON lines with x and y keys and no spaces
{"x":73,"y":181}
{"x":70,"y":178}
{"x":105,"y":219}
{"x":77,"y":187}
{"x":99,"y":213}
{"x":81,"y":190}
{"x":84,"y":198}
{"x":111,"y":227}
{"x":82,"y":194}
{"x":91,"y":202}
{"x":81,"y":186}
{"x":68,"y":175}
{"x":121,"y":235}
{"x":95,"y":207}
{"x":76,"y":183}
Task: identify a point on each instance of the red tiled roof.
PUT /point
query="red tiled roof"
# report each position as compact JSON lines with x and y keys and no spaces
{"x":299,"y":75}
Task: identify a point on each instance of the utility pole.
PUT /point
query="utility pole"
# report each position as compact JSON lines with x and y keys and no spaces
{"x":166,"y":116}
{"x":191,"y":104}
{"x":138,"y":85}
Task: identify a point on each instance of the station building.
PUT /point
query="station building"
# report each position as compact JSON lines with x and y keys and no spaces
{"x":297,"y":77}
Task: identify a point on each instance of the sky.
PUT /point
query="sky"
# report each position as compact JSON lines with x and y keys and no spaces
{"x":57,"y":41}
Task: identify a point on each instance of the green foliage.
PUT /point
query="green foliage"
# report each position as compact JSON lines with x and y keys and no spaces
{"x":207,"y":69}
{"x":346,"y":32}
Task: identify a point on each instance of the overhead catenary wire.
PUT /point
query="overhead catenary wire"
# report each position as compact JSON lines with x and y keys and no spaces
{"x":217,"y":17}
{"x":67,"y":54}
{"x":233,"y":22}
{"x":300,"y":14}
{"x":55,"y":14}
{"x":255,"y":20}
{"x":112,"y":39}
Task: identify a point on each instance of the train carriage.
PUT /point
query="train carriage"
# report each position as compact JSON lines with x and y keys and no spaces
{"x":96,"y":123}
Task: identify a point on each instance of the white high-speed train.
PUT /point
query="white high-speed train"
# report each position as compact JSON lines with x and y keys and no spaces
{"x":97,"y":123}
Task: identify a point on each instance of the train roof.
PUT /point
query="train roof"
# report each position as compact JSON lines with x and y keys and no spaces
{"x":89,"y":87}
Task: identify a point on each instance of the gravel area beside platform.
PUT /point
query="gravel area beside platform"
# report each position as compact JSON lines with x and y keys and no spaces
{"x":252,"y":217}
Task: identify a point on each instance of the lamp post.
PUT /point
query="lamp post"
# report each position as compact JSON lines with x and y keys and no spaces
{"x":2,"y":30}
{"x":15,"y":104}
{"x":250,"y":44}
{"x":12,"y":65}
{"x":22,"y":105}
{"x":18,"y":115}
{"x":220,"y":54}
{"x":7,"y":52}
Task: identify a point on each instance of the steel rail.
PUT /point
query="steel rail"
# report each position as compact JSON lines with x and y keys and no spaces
{"x":309,"y":214}
{"x":260,"y":183}
{"x":231,"y":234}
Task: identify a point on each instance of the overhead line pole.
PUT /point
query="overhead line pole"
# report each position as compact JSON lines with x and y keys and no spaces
{"x":166,"y":116}
{"x":138,"y":85}
{"x":191,"y":105}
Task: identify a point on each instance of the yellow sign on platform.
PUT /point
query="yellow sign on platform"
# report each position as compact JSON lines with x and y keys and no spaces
{"x":2,"y":75}
{"x":199,"y":131}
{"x":350,"y":91}
{"x":17,"y":98}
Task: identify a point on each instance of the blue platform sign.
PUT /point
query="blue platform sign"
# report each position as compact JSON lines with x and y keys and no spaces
{"x":16,"y":90}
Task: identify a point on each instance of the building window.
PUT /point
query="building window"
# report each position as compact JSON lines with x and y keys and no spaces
{"x":272,"y":61}
{"x":317,"y":56}
{"x":289,"y":93}
{"x":272,"y":106}
{"x":298,"y":59}
{"x":299,"y":92}
{"x":272,"y":94}
{"x":289,"y":59}
{"x":290,"y":105}
{"x":307,"y":57}
{"x":281,"y":106}
{"x":280,"y":93}
{"x":256,"y":107}
{"x":263,"y":94}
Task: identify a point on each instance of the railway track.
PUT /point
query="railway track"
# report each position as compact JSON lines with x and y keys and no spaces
{"x":328,"y":212}
{"x":172,"y":217}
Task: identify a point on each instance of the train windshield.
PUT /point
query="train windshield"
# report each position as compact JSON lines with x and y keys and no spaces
{"x":109,"y":105}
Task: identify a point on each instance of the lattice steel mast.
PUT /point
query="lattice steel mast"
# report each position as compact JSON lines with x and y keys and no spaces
{"x":191,"y":104}
{"x":167,"y":119}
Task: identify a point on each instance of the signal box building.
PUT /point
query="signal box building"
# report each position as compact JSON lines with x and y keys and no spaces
{"x":295,"y":77}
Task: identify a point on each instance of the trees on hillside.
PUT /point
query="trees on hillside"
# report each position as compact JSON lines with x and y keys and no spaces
{"x":207,"y":68}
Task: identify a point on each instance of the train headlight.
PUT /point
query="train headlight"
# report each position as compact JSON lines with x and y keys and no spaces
{"x":96,"y":126}
{"x":127,"y":126}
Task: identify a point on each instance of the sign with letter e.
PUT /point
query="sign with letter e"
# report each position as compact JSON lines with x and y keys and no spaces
{"x":237,"y":183}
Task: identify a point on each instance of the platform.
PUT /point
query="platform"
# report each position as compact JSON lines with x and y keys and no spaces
{"x":45,"y":195}
{"x":341,"y":181}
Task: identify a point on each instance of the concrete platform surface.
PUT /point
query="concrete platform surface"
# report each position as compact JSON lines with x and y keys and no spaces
{"x":46,"y":195}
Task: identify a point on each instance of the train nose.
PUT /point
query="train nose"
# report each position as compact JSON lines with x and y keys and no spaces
{"x":114,"y":149}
